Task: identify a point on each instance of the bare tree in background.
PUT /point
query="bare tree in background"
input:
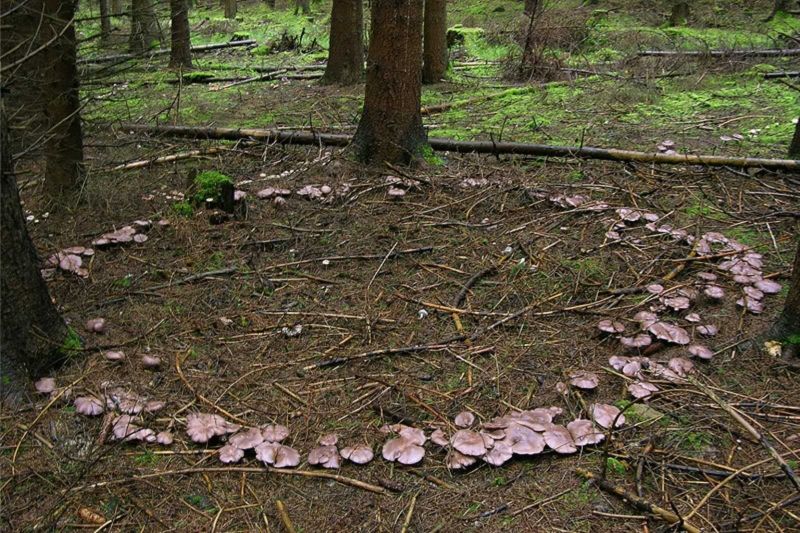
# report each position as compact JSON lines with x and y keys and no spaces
{"x":180,"y":55}
{"x":230,"y":9}
{"x":105,"y":22}
{"x":434,"y":59}
{"x":144,"y":26}
{"x":305,"y":5}
{"x":346,"y":50}
{"x":794,"y":146}
{"x":390,"y":129}
{"x":680,"y":13}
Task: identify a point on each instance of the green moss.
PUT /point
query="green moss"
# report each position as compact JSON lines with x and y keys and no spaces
{"x":615,"y":466}
{"x":72,"y":343}
{"x":183,"y":209}
{"x":209,"y":185}
{"x":430,"y":156}
{"x":196,"y":76}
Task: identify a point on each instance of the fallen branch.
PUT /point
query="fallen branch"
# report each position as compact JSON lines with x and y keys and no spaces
{"x":769,"y":52}
{"x":284,"y":514}
{"x":195,"y":277}
{"x":481,"y":147}
{"x":638,"y":503}
{"x":164,"y":51}
{"x":210,"y":470}
{"x":470,"y":282}
{"x":168,"y":158}
{"x":262,"y":77}
{"x":782,"y":74}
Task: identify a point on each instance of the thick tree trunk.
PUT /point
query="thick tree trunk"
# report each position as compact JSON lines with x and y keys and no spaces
{"x":788,"y":323}
{"x":390,"y":128}
{"x":434,"y":59}
{"x":105,"y":22}
{"x":305,"y":5}
{"x":230,"y":9}
{"x":144,"y":26}
{"x":32,"y":329}
{"x":346,"y":50}
{"x":680,"y":13}
{"x":794,"y":146}
{"x":180,"y":55}
{"x":64,"y":149}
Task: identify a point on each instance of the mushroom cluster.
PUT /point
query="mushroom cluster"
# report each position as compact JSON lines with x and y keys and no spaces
{"x":640,"y":368}
{"x":135,"y":232}
{"x":68,"y":260}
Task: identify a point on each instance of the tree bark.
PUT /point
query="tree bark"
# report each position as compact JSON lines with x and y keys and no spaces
{"x":180,"y":55}
{"x":346,"y":50}
{"x":64,"y":149}
{"x":390,"y":129}
{"x":105,"y":22}
{"x":117,"y":7}
{"x":230,"y":9}
{"x":144,"y":26}
{"x":794,"y":146}
{"x":32,"y":329}
{"x":788,"y":323}
{"x":270,"y":3}
{"x":434,"y":60}
{"x":680,"y":13}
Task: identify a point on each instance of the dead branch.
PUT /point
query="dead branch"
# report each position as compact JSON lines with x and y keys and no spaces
{"x":165,"y":51}
{"x":637,"y":502}
{"x":769,"y":52}
{"x":481,"y":147}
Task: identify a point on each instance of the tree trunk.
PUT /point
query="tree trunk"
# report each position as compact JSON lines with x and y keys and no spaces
{"x":270,"y":3}
{"x":117,"y":7}
{"x":64,"y":149}
{"x":530,"y":7}
{"x":105,"y":22}
{"x":230,"y":9}
{"x":434,"y":59}
{"x":144,"y":26}
{"x":305,"y":5}
{"x":787,"y":326}
{"x":346,"y":50}
{"x":390,"y":128}
{"x":794,"y":146}
{"x":778,"y":6}
{"x":180,"y":55}
{"x":32,"y":329}
{"x":680,"y":13}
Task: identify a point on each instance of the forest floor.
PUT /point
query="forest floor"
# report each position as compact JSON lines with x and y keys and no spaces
{"x":284,"y":314}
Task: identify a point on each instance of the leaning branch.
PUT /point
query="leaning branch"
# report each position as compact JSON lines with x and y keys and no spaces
{"x":165,"y":51}
{"x":480,"y":147}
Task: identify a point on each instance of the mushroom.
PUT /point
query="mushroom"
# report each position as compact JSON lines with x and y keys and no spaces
{"x":360,"y":454}
{"x":632,"y":368}
{"x":680,"y":365}
{"x":124,"y":429}
{"x":605,"y":415}
{"x":610,"y":326}
{"x":676,"y":303}
{"x":230,"y":454}
{"x":468,"y":442}
{"x":584,"y":380}
{"x":151,"y":361}
{"x":438,"y":437}
{"x":246,"y":440}
{"x":286,"y":457}
{"x":395,"y":193}
{"x":767,"y":286}
{"x":523,"y":440}
{"x":457,"y":461}
{"x":45,"y":385}
{"x":499,"y":454}
{"x":692,"y":317}
{"x":645,"y":319}
{"x":164,"y":438}
{"x":707,"y":330}
{"x":559,"y":439}
{"x":114,"y":356}
{"x":324,"y":456}
{"x":583,"y":432}
{"x":464,"y":419}
{"x":669,"y":332}
{"x":202,"y":427}
{"x":655,"y":288}
{"x":274,"y":432}
{"x":698,"y":350}
{"x":153,"y":406}
{"x":266,"y":452}
{"x":753,"y":293}
{"x":96,"y":325}
{"x":754,"y":306}
{"x":414,"y":435}
{"x":88,"y":405}
{"x":641,"y":389}
{"x":402,"y":450}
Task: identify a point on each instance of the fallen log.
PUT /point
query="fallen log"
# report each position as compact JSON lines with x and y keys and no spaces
{"x":480,"y":147}
{"x":164,"y":51}
{"x":782,"y":74}
{"x":767,"y":52}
